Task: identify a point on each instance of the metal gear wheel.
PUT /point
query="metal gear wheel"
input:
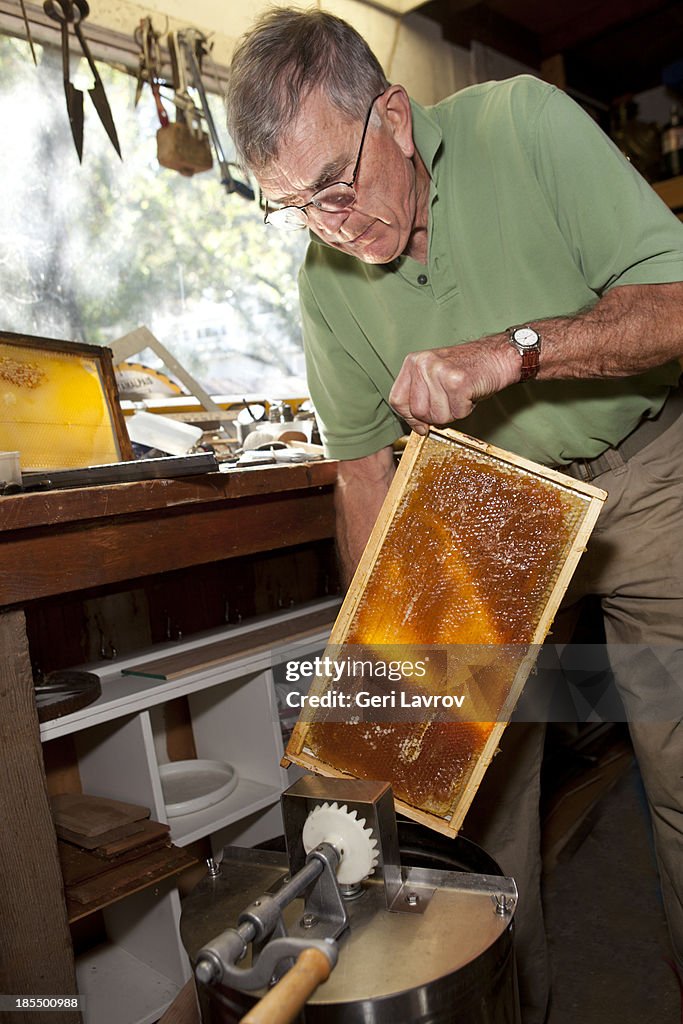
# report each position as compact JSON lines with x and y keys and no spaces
{"x":343,"y":829}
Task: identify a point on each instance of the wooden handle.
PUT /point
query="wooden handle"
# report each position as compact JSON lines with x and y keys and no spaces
{"x":286,"y":999}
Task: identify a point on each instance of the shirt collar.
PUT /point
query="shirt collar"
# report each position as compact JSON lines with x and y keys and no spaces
{"x":427,"y":135}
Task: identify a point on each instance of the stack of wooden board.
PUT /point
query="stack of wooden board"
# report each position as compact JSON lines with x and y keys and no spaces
{"x":109,"y":849}
{"x":463,"y":574}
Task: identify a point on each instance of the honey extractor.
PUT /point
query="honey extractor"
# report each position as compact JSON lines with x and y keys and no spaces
{"x":339,"y":924}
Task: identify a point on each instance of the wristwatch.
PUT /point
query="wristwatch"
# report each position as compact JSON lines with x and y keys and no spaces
{"x":527,"y":341}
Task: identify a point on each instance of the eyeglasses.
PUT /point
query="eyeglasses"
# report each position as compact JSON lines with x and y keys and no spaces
{"x":334,"y":198}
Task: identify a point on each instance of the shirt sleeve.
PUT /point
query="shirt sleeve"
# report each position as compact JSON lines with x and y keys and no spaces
{"x":618,"y":228}
{"x":353,"y":417}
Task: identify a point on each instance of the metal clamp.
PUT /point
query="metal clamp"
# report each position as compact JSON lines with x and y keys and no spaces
{"x":261,"y":924}
{"x":212,"y":967}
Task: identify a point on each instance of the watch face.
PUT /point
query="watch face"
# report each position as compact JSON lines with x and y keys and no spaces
{"x":525,"y":337}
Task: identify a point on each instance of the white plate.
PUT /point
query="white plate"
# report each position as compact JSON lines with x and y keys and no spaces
{"x":194,"y":785}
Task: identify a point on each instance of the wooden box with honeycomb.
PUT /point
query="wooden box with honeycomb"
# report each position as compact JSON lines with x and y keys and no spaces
{"x":459,"y":583}
{"x":59,"y":405}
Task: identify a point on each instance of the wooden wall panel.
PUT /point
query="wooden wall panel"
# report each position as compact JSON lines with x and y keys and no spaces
{"x":37,"y":957}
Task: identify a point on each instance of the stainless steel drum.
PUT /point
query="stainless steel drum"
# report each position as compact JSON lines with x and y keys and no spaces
{"x":412,"y":944}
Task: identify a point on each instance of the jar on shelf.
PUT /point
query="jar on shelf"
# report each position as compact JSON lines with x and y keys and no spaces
{"x":280,"y":412}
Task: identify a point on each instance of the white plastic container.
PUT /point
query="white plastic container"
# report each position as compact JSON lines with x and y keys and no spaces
{"x":162,"y":433}
{"x":190,"y":786}
{"x":10,"y":470}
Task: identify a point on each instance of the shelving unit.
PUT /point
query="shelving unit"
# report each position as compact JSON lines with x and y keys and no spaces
{"x":120,"y":744}
{"x":143,"y":998}
{"x":136,"y":974}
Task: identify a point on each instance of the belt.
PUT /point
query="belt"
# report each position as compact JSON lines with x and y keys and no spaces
{"x":640,"y":437}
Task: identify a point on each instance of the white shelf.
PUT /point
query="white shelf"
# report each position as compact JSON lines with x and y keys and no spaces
{"x":120,"y":989}
{"x":246,"y":799}
{"x":111,"y":668}
{"x":127,"y":695}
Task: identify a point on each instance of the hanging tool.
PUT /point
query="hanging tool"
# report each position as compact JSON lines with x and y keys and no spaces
{"x":74,"y":12}
{"x":63,"y":12}
{"x":150,"y":66}
{"x":29,"y":37}
{"x":183,"y":145}
{"x":193,"y":43}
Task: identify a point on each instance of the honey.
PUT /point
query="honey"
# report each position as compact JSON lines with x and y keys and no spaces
{"x":426,"y":763}
{"x":468,"y":564}
{"x":470,"y":556}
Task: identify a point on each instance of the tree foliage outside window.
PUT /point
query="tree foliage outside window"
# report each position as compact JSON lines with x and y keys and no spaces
{"x":89,"y":252}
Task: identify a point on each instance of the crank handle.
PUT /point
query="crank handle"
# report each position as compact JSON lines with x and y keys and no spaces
{"x":285,"y":1001}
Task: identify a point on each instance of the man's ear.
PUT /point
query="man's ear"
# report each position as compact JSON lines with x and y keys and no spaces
{"x":399,"y":118}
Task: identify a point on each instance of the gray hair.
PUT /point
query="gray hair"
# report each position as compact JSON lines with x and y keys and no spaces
{"x":287,"y":55}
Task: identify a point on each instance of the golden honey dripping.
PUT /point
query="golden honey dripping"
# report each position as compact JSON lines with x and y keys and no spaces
{"x":471,"y":557}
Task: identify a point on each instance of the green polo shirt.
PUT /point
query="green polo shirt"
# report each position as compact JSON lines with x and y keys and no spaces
{"x":533,"y":213}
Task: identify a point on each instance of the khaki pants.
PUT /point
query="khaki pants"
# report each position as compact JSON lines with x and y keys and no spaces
{"x":634,"y":563}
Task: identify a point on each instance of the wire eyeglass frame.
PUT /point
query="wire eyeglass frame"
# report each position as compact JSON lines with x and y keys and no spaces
{"x":333,"y":198}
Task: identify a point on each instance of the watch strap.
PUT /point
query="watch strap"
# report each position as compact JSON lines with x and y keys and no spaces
{"x":530,"y":354}
{"x":530,"y":363}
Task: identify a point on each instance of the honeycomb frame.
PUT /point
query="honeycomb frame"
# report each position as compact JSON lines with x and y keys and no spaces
{"x":377,"y":607}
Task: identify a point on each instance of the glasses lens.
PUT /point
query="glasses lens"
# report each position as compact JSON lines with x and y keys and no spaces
{"x":334,"y":198}
{"x":289,"y":218}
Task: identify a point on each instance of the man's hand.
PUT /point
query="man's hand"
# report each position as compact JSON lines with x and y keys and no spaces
{"x":440,"y":385}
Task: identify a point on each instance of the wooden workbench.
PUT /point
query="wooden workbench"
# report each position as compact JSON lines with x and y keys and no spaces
{"x":62,"y":542}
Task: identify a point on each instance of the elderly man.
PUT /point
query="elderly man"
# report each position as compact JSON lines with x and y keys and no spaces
{"x":492,"y":260}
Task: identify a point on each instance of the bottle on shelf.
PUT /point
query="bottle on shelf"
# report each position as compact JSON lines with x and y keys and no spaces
{"x":672,"y":144}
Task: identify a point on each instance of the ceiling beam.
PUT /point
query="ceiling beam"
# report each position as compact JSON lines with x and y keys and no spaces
{"x":463,"y":22}
{"x":592,"y":20}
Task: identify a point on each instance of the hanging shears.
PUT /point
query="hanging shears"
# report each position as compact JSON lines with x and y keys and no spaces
{"x":193,"y":44}
{"x":74,"y":12}
{"x":149,"y":69}
{"x":29,"y":37}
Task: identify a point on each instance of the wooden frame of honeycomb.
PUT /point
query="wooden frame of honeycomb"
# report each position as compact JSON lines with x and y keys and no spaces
{"x":59,"y":404}
{"x":469,"y":558}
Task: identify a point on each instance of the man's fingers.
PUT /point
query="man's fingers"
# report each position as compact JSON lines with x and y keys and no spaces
{"x":402,"y":402}
{"x":415,"y":396}
{"x":399,"y":396}
{"x":425,"y":393}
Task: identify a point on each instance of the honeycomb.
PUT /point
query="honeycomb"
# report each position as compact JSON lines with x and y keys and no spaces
{"x":470,"y":559}
{"x":53,"y":409}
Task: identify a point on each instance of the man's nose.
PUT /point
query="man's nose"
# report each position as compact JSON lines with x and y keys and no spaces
{"x":329,"y":223}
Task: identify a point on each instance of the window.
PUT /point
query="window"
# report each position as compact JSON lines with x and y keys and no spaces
{"x":92,"y":251}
